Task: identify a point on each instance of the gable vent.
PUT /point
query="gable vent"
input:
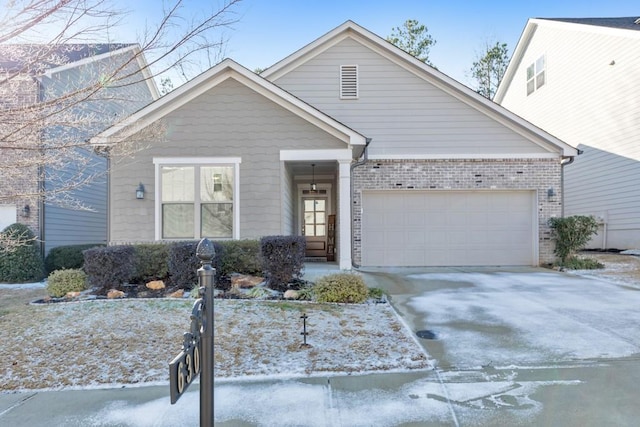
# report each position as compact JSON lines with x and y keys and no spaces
{"x":348,"y":82}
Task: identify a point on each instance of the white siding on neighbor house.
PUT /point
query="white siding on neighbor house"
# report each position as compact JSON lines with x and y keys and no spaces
{"x":590,"y":101}
{"x":228,"y":120}
{"x":402,"y":113}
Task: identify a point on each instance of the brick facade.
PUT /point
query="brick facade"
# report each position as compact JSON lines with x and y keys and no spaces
{"x":19,"y":185}
{"x":488,"y":174}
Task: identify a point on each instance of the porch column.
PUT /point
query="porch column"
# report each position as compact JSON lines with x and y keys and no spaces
{"x":344,"y":214}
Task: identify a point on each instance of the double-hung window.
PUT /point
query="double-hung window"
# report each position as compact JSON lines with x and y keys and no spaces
{"x":535,"y":75}
{"x":196,"y":198}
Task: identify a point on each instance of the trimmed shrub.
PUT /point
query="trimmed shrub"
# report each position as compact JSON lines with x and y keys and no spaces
{"x":67,"y":257}
{"x":376,"y":293}
{"x":109,"y":267}
{"x":151,"y":262}
{"x":60,"y":282}
{"x":184,"y":264}
{"x":22,"y":263}
{"x":239,"y":256}
{"x":283,"y":258}
{"x":571,"y":234}
{"x":579,"y":263}
{"x":341,"y":287}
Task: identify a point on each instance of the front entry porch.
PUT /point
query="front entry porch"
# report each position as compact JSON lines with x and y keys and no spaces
{"x":319,"y":184}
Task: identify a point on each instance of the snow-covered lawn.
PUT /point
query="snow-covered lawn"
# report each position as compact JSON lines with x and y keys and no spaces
{"x":107,"y":343}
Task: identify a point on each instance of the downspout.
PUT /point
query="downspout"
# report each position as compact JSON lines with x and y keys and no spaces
{"x":565,"y":162}
{"x":364,"y":160}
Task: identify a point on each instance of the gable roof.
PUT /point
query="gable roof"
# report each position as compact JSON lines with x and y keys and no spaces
{"x":350,"y":29}
{"x":623,"y":23}
{"x":625,"y":26}
{"x":211,"y":78}
{"x":37,"y":58}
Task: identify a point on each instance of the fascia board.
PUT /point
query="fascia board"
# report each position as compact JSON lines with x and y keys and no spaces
{"x":213,"y":77}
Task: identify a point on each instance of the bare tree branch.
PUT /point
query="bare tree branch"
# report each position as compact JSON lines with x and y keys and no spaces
{"x":48,"y":115}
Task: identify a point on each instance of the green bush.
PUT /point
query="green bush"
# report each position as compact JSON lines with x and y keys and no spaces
{"x":151,"y":262}
{"x":283,"y":258}
{"x":109,"y":267}
{"x":184,"y":264}
{"x":22,"y":263}
{"x":306,"y":293}
{"x":341,"y":287}
{"x":376,"y":293}
{"x":579,"y":263}
{"x":239,"y":256}
{"x":60,"y":282}
{"x":66,"y":257}
{"x":571,"y":234}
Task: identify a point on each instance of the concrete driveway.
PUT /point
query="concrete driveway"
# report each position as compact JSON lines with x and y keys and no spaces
{"x":516,"y":347}
{"x":525,"y":346}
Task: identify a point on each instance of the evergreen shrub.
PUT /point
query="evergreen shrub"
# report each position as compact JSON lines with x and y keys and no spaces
{"x":283,"y":258}
{"x":109,"y":267}
{"x":67,"y":257}
{"x":151,"y":262}
{"x":184,"y":264}
{"x":341,"y":287}
{"x":61,"y":282}
{"x":239,"y":256}
{"x":23,"y":262}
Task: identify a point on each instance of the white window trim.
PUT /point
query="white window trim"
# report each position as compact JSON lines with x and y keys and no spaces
{"x":197,"y":161}
{"x":536,"y":73}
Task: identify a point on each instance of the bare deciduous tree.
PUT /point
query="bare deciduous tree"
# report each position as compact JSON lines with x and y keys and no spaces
{"x":46,"y":122}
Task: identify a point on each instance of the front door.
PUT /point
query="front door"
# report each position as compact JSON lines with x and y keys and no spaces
{"x":314,"y":226}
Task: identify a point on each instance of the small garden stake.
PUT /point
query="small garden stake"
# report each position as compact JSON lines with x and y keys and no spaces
{"x":304,"y":332}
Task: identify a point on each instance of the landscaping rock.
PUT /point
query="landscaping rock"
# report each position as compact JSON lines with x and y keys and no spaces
{"x":291,"y":294}
{"x":155,"y":285}
{"x":245,"y":281}
{"x":177,"y":294}
{"x":72,"y":295}
{"x":115,"y":294}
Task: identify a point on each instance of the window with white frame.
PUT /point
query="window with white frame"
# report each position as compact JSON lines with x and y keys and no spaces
{"x":535,"y":75}
{"x":197,"y":198}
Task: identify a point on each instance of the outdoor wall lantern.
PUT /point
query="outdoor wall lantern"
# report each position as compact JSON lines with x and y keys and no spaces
{"x":314,"y":187}
{"x":140,"y":191}
{"x":551,"y":193}
{"x":26,"y":211}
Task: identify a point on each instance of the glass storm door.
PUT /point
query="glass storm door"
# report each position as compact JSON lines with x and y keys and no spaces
{"x":314,"y":227}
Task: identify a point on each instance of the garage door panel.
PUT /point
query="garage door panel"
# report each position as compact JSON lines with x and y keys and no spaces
{"x":447,"y":228}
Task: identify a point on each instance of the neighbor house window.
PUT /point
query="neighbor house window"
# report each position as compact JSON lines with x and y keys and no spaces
{"x":535,"y":75}
{"x":197,"y":198}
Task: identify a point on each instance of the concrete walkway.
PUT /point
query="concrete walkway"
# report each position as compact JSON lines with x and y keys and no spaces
{"x":513,"y":347}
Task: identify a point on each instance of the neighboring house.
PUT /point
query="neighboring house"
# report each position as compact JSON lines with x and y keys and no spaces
{"x":579,"y":79}
{"x":33,"y":75}
{"x":418,"y":169}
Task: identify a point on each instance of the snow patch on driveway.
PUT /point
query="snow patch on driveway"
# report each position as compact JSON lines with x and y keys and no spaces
{"x":527,"y":318}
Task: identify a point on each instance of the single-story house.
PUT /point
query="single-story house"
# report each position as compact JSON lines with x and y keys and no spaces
{"x":375,"y":157}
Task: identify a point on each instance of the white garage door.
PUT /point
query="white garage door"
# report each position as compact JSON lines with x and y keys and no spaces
{"x":448,"y":228}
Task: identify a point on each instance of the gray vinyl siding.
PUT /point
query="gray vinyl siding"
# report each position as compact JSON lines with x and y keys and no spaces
{"x":230,"y":120}
{"x":593,"y":105}
{"x":403,"y":114}
{"x":64,"y":225}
